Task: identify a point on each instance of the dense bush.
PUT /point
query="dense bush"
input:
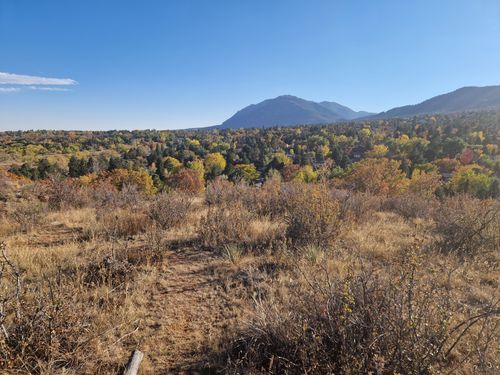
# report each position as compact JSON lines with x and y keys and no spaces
{"x":169,"y":210}
{"x":410,"y":205}
{"x":120,"y":223}
{"x":467,"y":227}
{"x":222,"y":192}
{"x":356,"y":206}
{"x":238,"y":226}
{"x":313,"y":216}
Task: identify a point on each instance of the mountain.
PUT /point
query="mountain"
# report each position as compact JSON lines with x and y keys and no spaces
{"x":345,"y":112}
{"x":289,"y":110}
{"x":461,"y":100}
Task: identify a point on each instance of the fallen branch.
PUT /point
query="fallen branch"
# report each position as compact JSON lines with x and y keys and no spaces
{"x":134,"y":363}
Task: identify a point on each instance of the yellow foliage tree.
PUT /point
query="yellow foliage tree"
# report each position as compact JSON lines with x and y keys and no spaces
{"x":172,"y":164}
{"x":306,"y":174}
{"x":140,"y":179}
{"x":378,"y":151}
{"x":214,"y":164}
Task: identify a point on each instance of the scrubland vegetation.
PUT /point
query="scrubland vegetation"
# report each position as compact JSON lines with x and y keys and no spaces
{"x":371,"y":248}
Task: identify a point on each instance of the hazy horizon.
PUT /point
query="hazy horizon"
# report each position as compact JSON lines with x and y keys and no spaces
{"x":130,"y":65}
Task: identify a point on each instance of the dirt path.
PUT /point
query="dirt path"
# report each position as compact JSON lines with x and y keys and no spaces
{"x":187,"y":310}
{"x":54,"y":234}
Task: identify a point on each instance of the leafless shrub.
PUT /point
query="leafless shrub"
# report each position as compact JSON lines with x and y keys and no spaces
{"x":237,"y":226}
{"x":268,"y":200}
{"x":62,"y":193}
{"x":6,"y":188}
{"x":106,"y":195}
{"x":155,"y":243}
{"x":224,"y":226}
{"x":367,"y":321}
{"x":119,"y":223}
{"x":169,"y":210}
{"x":36,"y":325}
{"x":28,"y":214}
{"x":410,"y":205}
{"x":110,"y":270}
{"x":357,"y":206}
{"x":467,"y":227}
{"x":221,"y":191}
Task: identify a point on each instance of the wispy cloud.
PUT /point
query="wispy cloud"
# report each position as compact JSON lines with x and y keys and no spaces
{"x":48,"y":88}
{"x":19,"y":79}
{"x":7,"y":90}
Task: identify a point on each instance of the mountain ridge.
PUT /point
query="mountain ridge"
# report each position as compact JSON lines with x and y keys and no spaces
{"x":460,"y":100}
{"x":289,"y":110}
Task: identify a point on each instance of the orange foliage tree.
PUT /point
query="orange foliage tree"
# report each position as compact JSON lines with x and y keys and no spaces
{"x":376,"y":176}
{"x":187,"y":180}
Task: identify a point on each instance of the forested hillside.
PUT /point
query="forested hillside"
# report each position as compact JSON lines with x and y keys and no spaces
{"x":461,"y":150}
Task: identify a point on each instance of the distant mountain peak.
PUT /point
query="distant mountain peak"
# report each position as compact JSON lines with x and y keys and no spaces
{"x":288,"y":110}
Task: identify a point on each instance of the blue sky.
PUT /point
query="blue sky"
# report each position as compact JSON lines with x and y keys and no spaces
{"x":186,"y":63}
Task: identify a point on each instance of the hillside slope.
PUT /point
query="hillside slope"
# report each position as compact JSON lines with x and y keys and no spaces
{"x":461,"y":100}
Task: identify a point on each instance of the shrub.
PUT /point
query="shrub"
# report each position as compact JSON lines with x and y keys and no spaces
{"x":467,"y":227}
{"x":268,"y":200}
{"x":224,"y":226}
{"x":424,"y":184}
{"x":376,"y":176}
{"x":62,"y":193}
{"x":238,"y":226}
{"x":155,"y":243}
{"x":28,"y":215}
{"x":410,"y":205}
{"x":223,"y":192}
{"x":363,"y":322}
{"x":169,"y":210}
{"x":313,"y":216}
{"x":187,"y":180}
{"x":356,"y":206}
{"x":120,"y":223}
{"x":52,"y":324}
{"x":103,"y":194}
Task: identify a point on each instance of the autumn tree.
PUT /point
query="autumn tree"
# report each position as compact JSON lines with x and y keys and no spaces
{"x":306,"y":174}
{"x":378,"y":151}
{"x":172,"y":164}
{"x":376,"y":176}
{"x":214,"y":165}
{"x":474,"y":180}
{"x":139,"y":178}
{"x":424,"y":183}
{"x":246,"y":172}
{"x":187,"y":180}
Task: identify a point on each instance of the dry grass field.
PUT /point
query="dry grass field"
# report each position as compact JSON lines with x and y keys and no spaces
{"x":285,"y":278}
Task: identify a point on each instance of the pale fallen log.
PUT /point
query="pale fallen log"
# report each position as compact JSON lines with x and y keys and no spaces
{"x":134,"y":363}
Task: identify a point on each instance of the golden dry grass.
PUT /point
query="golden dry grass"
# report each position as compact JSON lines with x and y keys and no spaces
{"x":183,"y":308}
